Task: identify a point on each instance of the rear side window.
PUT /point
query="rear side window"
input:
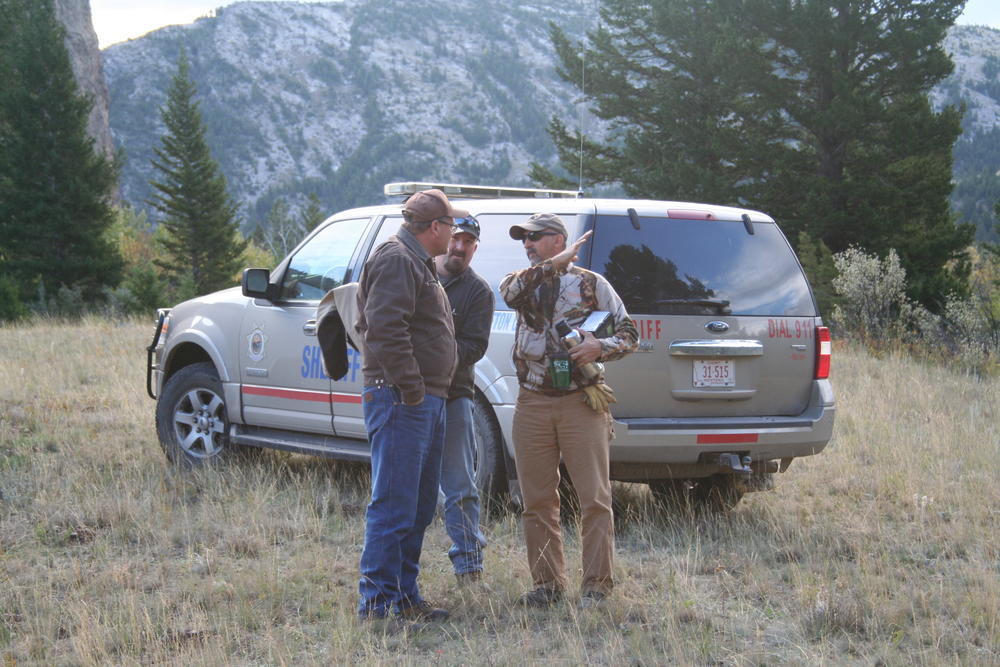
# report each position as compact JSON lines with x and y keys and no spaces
{"x":700,"y":267}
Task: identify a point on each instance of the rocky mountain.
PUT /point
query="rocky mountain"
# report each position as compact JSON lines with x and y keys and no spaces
{"x":339,"y":98}
{"x":85,"y":58}
{"x":976,"y":84}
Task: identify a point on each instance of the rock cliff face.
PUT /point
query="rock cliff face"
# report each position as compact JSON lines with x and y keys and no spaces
{"x":338,"y":98}
{"x":85,"y":57}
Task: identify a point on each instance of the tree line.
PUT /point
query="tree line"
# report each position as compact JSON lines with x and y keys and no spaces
{"x":65,"y":246}
{"x":816,"y":111}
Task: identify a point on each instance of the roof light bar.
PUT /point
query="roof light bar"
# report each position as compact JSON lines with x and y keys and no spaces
{"x":459,"y":191}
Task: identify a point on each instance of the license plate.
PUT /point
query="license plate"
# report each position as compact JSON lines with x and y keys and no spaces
{"x":714,"y":373}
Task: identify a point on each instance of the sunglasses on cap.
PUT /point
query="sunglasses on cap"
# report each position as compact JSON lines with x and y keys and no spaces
{"x":468,"y":225}
{"x":536,"y":236}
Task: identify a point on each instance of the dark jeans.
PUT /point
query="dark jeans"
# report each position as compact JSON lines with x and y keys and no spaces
{"x":406,"y":443}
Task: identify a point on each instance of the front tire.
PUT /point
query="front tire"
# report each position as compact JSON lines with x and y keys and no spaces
{"x":191,"y":419}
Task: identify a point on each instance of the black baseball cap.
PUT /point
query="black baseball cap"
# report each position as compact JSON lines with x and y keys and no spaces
{"x":467,"y":224}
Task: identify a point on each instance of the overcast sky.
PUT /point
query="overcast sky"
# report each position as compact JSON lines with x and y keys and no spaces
{"x":118,"y":20}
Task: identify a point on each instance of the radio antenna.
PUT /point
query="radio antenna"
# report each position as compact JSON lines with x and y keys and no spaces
{"x":583,"y":101}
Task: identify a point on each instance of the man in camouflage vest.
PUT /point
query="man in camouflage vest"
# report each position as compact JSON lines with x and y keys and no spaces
{"x":559,"y":415}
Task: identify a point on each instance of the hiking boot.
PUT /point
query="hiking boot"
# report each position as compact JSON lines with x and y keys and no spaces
{"x":424,"y":611}
{"x":591,"y":600}
{"x":540,"y":597}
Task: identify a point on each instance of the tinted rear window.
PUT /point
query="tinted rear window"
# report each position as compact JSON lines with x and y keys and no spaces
{"x":700,"y":267}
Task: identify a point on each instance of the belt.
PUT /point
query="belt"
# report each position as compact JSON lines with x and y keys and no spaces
{"x":374,"y":380}
{"x":555,"y":393}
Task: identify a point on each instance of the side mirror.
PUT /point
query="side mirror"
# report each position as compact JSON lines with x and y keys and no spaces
{"x":257,"y":283}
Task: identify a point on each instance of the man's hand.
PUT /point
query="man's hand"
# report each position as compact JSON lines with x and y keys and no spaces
{"x":562,"y":260}
{"x":588,"y":350}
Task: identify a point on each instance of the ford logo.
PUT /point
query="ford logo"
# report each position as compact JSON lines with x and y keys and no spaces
{"x":717,"y":327}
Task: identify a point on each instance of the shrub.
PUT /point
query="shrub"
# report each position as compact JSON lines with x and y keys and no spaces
{"x":873,"y":309}
{"x":873,"y":306}
{"x":66,"y":302}
{"x":11,"y":308}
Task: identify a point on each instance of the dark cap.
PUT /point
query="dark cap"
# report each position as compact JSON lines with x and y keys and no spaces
{"x":468,"y":224}
{"x":430,"y":205}
{"x":539,"y":222}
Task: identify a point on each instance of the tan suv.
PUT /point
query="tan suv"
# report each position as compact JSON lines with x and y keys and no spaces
{"x":729,"y":384}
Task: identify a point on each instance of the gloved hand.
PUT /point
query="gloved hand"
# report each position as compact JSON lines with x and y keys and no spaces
{"x":598,"y":396}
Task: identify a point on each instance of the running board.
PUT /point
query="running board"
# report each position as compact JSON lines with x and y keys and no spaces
{"x":315,"y":444}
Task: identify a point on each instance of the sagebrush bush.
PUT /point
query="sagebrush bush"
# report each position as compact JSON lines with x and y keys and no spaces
{"x":874,"y":305}
{"x":873,"y":309}
{"x":67,"y":302}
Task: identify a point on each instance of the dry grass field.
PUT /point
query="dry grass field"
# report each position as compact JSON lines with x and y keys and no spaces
{"x":884,"y":549}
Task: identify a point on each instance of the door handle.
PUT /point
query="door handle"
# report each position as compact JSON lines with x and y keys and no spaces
{"x":309,"y":328}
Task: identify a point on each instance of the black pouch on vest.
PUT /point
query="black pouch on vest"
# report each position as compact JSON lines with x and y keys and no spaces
{"x":560,"y":370}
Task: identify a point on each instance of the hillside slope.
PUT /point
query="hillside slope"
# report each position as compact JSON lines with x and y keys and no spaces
{"x":339,"y":98}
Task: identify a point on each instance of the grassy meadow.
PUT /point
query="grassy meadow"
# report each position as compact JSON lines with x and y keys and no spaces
{"x":884,"y":549}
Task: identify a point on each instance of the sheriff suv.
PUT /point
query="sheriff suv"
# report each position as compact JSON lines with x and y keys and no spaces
{"x":729,"y":383}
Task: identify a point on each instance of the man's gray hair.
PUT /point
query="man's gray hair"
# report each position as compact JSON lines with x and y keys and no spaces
{"x":414,"y":227}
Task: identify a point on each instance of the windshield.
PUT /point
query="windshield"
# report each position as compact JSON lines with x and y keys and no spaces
{"x":700,"y":267}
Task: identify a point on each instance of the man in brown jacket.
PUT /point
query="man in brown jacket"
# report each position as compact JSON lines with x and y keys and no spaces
{"x":409,"y":352}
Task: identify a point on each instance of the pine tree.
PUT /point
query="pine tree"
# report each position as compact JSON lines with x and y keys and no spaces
{"x":312,"y":214}
{"x":55,"y":211}
{"x":814,"y":110}
{"x":202,"y":242}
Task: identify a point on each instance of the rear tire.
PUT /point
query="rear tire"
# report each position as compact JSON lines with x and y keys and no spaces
{"x":491,"y":472}
{"x":191,"y":419}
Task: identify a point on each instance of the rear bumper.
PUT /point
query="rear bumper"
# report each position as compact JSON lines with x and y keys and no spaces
{"x":656,"y":449}
{"x":648,"y":449}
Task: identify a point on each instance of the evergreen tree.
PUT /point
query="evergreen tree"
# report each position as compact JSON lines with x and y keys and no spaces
{"x":55,"y":211}
{"x":817,"y":262}
{"x":814,"y":110}
{"x":202,"y":242}
{"x":312,"y":214}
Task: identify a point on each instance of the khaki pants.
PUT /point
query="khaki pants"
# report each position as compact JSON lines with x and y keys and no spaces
{"x":545,"y":428}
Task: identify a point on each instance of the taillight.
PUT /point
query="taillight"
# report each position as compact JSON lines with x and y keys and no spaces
{"x":823,"y":347}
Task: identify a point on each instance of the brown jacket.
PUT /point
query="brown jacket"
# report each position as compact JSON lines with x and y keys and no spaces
{"x":408,"y":337}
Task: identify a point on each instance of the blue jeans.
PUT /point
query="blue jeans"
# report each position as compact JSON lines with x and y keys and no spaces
{"x":458,"y":485}
{"x":406,"y":444}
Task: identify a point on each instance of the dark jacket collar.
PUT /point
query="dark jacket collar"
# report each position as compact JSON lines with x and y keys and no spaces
{"x":411,"y":242}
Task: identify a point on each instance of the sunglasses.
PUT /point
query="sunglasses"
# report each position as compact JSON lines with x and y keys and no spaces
{"x":536,"y":236}
{"x":445,"y":221}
